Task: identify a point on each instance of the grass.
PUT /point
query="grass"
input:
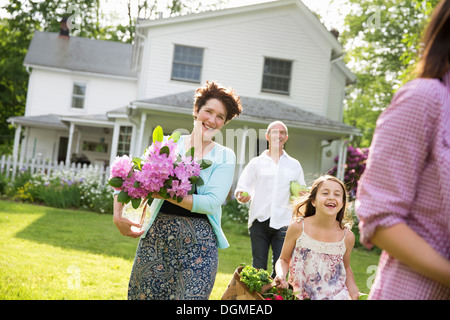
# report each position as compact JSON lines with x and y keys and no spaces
{"x":49,"y":253}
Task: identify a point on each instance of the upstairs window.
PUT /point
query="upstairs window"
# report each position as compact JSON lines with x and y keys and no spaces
{"x":276,"y":76}
{"x":78,"y":95}
{"x":187,"y":63}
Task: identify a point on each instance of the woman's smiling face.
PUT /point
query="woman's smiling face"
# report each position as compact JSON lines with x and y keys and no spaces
{"x":211,"y":117}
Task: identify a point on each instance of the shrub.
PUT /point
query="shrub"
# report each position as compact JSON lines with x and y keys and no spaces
{"x":354,"y":168}
{"x":63,"y":189}
{"x":235,"y":216}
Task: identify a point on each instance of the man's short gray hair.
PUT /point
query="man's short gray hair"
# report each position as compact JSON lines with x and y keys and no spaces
{"x":274,"y":123}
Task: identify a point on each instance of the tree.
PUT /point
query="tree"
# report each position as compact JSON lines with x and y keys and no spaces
{"x":16,"y":32}
{"x":382,"y":41}
{"x":13,"y":81}
{"x":88,"y":20}
{"x":142,"y":9}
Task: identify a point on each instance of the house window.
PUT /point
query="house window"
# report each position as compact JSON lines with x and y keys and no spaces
{"x":79,"y":92}
{"x":124,"y":144}
{"x":276,"y":76}
{"x":95,"y":146}
{"x":187,"y":63}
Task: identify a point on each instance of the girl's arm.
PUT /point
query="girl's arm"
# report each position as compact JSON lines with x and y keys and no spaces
{"x":282,"y":265}
{"x":415,"y":252}
{"x":350,"y":280}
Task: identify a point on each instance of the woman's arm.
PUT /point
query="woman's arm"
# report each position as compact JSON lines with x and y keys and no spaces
{"x":124,"y":225}
{"x":404,"y":244}
{"x":217,"y":185}
{"x":186,"y":203}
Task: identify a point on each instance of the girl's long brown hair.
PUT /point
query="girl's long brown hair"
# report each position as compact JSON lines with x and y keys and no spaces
{"x":305,"y":208}
{"x":435,"y":59}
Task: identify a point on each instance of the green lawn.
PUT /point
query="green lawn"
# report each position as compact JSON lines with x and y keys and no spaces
{"x":48,"y":253}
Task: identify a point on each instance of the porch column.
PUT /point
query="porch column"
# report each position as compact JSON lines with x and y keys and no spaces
{"x":241,"y":159}
{"x":342,"y":160}
{"x":69,"y":144}
{"x":17,"y":142}
{"x":140,"y":139}
{"x":114,"y":142}
{"x":16,"y":149}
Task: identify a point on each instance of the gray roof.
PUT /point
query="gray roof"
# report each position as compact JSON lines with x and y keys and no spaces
{"x":46,"y":120}
{"x":80,"y":54}
{"x":57,"y":121}
{"x":259,"y":109}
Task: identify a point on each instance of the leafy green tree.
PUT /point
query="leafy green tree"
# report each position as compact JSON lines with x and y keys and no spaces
{"x":13,"y":81}
{"x":16,"y":32}
{"x":382,"y":40}
{"x":87,"y":19}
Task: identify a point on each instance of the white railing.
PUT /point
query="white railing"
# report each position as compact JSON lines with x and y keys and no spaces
{"x":9,"y":167}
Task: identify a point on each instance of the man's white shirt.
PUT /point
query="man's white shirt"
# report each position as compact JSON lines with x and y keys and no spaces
{"x":268,"y":184}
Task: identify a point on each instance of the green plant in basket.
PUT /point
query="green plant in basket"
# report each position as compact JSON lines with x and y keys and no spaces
{"x":254,"y":278}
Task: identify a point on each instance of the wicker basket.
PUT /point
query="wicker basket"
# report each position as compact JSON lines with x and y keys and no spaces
{"x":237,"y":290}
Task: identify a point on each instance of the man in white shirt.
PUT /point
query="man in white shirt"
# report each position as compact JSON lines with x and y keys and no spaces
{"x":266,"y":182}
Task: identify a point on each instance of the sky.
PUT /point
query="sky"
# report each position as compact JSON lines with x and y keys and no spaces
{"x":331,"y":11}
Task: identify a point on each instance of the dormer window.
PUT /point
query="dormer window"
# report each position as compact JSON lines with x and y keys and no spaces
{"x":187,"y":63}
{"x":78,"y":95}
{"x":276,"y":76}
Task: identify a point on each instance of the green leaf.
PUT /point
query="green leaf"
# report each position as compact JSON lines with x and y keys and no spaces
{"x":175,"y":136}
{"x":193,"y":179}
{"x":123,"y":197}
{"x":138,"y":162}
{"x":199,"y":182}
{"x":163,"y":193}
{"x":190,"y":152}
{"x":136,"y":202}
{"x":165,"y":150}
{"x":158,"y":134}
{"x":115,"y":182}
{"x":205,"y":163}
{"x":192,"y":189}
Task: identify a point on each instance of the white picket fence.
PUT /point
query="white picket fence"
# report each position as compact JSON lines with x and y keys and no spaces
{"x":9,"y":167}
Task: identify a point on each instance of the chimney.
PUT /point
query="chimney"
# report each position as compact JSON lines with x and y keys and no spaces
{"x":335,"y":33}
{"x":63,"y":29}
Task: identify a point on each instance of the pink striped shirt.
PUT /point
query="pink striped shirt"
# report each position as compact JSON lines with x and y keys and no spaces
{"x":407,"y":180}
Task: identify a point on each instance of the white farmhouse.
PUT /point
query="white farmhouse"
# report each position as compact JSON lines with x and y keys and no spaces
{"x":91,"y":100}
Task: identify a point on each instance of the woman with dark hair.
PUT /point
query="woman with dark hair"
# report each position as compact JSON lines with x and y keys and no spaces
{"x":403,"y":196}
{"x":177,"y":256}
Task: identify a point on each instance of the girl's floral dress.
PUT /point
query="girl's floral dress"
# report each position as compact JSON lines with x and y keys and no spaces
{"x":317,"y":268}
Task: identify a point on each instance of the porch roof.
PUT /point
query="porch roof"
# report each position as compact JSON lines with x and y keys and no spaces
{"x":255,"y":110}
{"x":46,"y":121}
{"x":56,"y":121}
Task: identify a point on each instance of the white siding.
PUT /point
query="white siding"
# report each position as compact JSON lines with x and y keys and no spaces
{"x":336,"y":94}
{"x":235,"y":48}
{"x":51,"y":92}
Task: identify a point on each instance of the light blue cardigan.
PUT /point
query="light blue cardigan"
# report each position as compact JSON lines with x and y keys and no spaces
{"x":213,"y":193}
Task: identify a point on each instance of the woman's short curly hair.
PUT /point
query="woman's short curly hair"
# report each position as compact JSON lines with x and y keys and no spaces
{"x":227,"y":96}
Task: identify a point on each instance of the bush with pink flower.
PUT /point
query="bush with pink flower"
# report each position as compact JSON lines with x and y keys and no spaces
{"x":161,"y":170}
{"x":354,"y":168}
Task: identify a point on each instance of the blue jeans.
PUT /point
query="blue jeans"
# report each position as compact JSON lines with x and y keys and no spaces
{"x":262,"y":236}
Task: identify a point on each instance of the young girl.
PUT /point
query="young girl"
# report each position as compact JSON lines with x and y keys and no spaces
{"x":317,"y":247}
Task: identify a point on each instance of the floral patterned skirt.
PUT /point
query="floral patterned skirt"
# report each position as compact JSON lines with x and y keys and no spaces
{"x":177,"y":260}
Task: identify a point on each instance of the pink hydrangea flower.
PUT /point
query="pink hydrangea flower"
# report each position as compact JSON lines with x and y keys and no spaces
{"x":161,"y":167}
{"x":121,"y":167}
